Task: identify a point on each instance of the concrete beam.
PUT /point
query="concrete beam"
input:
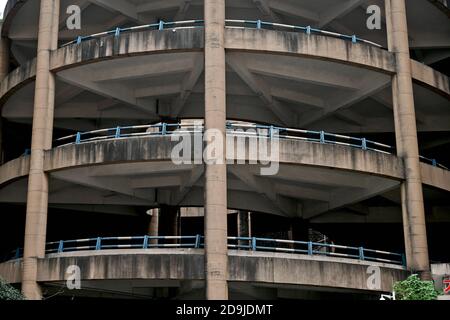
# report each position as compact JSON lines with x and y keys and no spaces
{"x":188,"y":85}
{"x":344,"y":100}
{"x":260,"y":88}
{"x":337,"y":11}
{"x":118,"y":6}
{"x":264,"y":187}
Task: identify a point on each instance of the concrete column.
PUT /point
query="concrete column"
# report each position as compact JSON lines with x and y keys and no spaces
{"x":407,"y":143}
{"x":37,"y":198}
{"x":51,"y":76}
{"x":216,"y":251}
{"x":398,"y":135}
{"x":153,"y":227}
{"x":169,"y":222}
{"x":244,"y":226}
{"x":4,"y":70}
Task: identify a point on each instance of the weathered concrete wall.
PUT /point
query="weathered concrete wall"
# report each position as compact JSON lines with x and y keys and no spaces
{"x":160,"y":148}
{"x":440,"y":272}
{"x":314,"y":46}
{"x":14,"y":169}
{"x":132,"y":43}
{"x":312,"y":271}
{"x":16,"y":79}
{"x":11,"y":9}
{"x":435,"y":177}
{"x":162,"y":264}
{"x":430,"y":78}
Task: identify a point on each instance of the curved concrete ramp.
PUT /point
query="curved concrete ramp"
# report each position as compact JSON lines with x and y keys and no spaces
{"x":176,"y":267}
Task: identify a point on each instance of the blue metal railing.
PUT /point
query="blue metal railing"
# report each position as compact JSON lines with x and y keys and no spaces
{"x":234,"y":243}
{"x":256,"y":24}
{"x":243,"y":130}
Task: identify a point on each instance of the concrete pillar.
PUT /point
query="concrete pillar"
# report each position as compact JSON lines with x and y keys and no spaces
{"x":216,"y":251}
{"x":4,"y":70}
{"x":169,"y":222}
{"x":153,"y":227}
{"x":37,"y":198}
{"x":244,"y":226}
{"x":51,"y":76}
{"x":407,"y":143}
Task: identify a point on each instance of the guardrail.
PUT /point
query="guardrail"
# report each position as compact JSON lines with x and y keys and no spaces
{"x":236,"y":243}
{"x":256,"y":24}
{"x":246,"y":130}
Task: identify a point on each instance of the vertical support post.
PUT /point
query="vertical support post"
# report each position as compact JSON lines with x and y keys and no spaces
{"x":98,"y":244}
{"x":361,"y":254}
{"x":290,"y":234}
{"x":243,"y":227}
{"x":61,"y":246}
{"x":198,"y":239}
{"x":51,"y":76}
{"x":253,"y":244}
{"x":145,"y":243}
{"x":216,"y":251}
{"x":153,"y":227}
{"x":168,"y":222}
{"x":4,"y":70}
{"x":37,"y":197}
{"x":407,"y":145}
{"x":310,"y":248}
{"x":322,"y":137}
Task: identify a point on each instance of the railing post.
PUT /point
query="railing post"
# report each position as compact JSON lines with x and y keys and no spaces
{"x":354,"y":39}
{"x":117,"y":132}
{"x":98,"y":245}
{"x":79,"y":39}
{"x":271,"y":132}
{"x":364,"y":143}
{"x":197,"y":241}
{"x":78,"y":139}
{"x":61,"y":246}
{"x":310,"y":248}
{"x":161,"y":25}
{"x":258,"y":24}
{"x":164,"y":129}
{"x":322,"y":137}
{"x":117,"y":33}
{"x":434,"y":162}
{"x":361,"y":253}
{"x":308,"y":30}
{"x":145,"y":245}
{"x":253,"y":244}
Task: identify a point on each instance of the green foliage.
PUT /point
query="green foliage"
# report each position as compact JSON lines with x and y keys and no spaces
{"x":7,"y":292}
{"x":415,"y":289}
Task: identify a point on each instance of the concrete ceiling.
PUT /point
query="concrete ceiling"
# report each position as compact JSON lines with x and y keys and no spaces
{"x":289,"y":91}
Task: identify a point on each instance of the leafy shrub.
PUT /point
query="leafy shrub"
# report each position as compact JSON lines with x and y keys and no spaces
{"x":415,"y":289}
{"x":7,"y":292}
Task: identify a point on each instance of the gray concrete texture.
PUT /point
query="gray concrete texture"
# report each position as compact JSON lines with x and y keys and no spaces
{"x":187,"y":264}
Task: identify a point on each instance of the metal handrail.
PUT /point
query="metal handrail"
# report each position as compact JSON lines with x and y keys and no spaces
{"x":253,"y":130}
{"x":237,"y":243}
{"x":256,"y":24}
